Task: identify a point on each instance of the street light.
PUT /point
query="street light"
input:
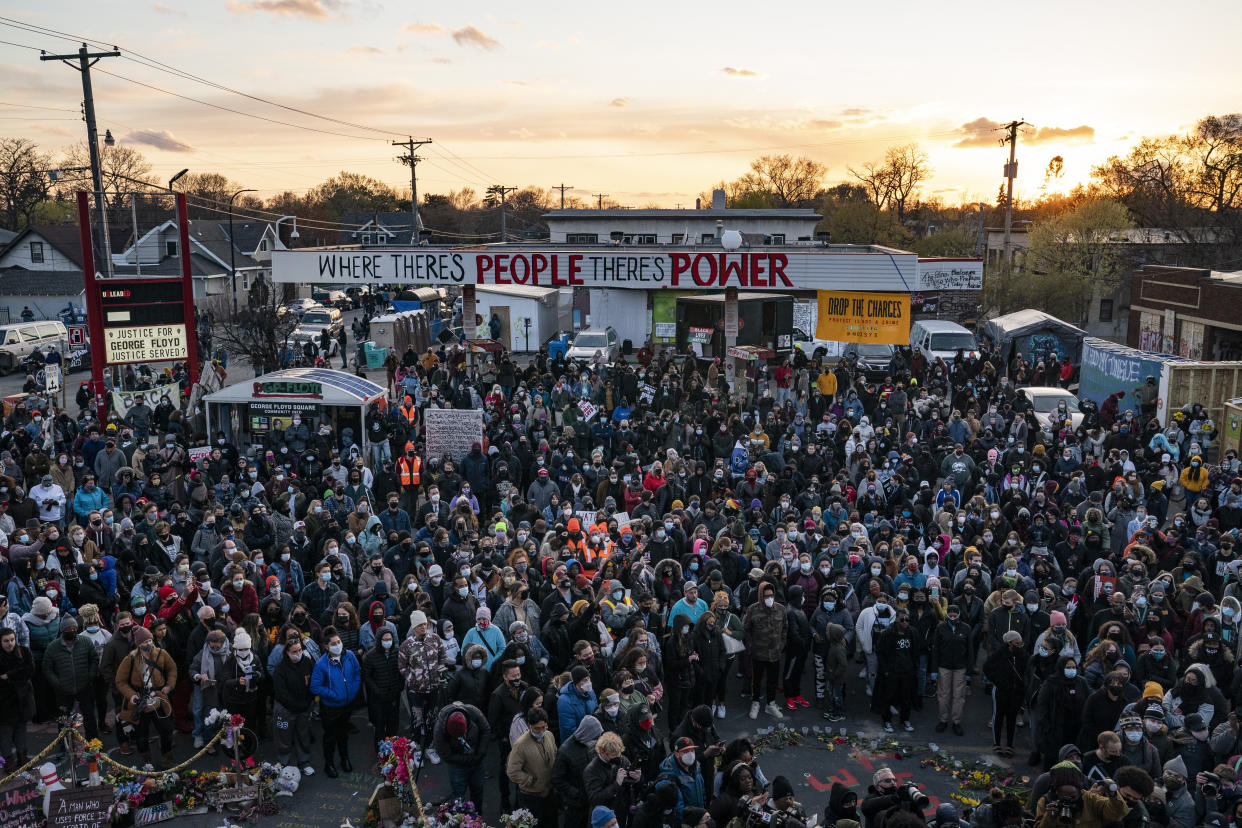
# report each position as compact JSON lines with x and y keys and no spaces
{"x":233,"y":246}
{"x":292,"y":235}
{"x":109,"y":141}
{"x":177,"y":177}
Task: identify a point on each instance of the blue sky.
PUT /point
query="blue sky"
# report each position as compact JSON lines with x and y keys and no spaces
{"x":649,"y":102}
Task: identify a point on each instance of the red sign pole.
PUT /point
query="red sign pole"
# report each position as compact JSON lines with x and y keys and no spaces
{"x":187,"y":289}
{"x":94,"y":309}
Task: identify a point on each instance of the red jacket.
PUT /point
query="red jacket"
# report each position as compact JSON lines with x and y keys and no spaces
{"x":240,"y":603}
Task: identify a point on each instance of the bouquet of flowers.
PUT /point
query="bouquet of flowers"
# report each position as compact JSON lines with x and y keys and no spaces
{"x":520,"y":818}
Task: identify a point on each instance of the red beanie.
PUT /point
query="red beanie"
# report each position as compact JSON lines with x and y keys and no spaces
{"x":456,"y":725}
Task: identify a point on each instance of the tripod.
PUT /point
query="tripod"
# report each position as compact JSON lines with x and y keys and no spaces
{"x":435,"y":700}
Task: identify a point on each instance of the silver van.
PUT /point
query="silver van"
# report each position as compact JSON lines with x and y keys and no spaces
{"x":19,"y":339}
{"x":934,"y":338}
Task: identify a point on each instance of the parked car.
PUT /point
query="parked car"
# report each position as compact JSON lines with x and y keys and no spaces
{"x":19,"y":339}
{"x":1044,"y":399}
{"x":588,"y":341}
{"x":934,"y":338}
{"x":827,"y":349}
{"x":871,"y":360}
{"x":300,"y":306}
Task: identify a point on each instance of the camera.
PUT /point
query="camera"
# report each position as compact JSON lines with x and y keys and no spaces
{"x":757,"y":816}
{"x":1065,"y":811}
{"x":915,"y":796}
{"x":1211,"y":785}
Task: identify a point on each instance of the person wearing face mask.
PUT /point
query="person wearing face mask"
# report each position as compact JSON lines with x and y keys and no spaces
{"x":1136,"y":749}
{"x":292,"y":705}
{"x":382,"y":680}
{"x":765,"y":629}
{"x":485,"y":634}
{"x":243,"y":678}
{"x":70,"y":665}
{"x":239,"y":594}
{"x":374,"y":571}
{"x":461,"y":737}
{"x":336,"y":680}
{"x":1103,"y":708}
{"x":145,"y":679}
{"x":1059,"y":706}
{"x":530,"y":766}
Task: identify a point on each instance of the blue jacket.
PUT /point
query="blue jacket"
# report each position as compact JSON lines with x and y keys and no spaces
{"x":336,"y":685}
{"x":84,"y":502}
{"x":571,"y":707}
{"x":492,"y":640}
{"x":690,"y":791}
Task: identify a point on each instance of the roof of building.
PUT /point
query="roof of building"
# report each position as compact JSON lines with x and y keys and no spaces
{"x":340,"y":387}
{"x":777,"y":213}
{"x":6,"y":236}
{"x":63,"y":237}
{"x":17,"y":281}
{"x":395,"y":222}
{"x":520,"y":291}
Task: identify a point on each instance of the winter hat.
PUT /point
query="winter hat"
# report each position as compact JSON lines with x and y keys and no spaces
{"x":142,"y":635}
{"x":1012,"y":637}
{"x":456,"y":725}
{"x":946,"y":814}
{"x":272,"y":581}
{"x":1176,"y":765}
{"x":602,"y":816}
{"x":1153,"y":708}
{"x":41,"y":607}
{"x":578,"y":673}
{"x":241,"y":640}
{"x":417,"y":617}
{"x":781,"y":787}
{"x":1153,"y":690}
{"x":166,"y":592}
{"x":1067,"y":773}
{"x":68,"y":623}
{"x":1056,"y":618}
{"x":483,"y":613}
{"x":89,"y":613}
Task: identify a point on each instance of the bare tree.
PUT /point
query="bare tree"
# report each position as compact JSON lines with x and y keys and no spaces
{"x":875,"y":179}
{"x":260,"y":331}
{"x":907,"y":168}
{"x":23,"y":183}
{"x":793,"y":182}
{"x":124,"y":169}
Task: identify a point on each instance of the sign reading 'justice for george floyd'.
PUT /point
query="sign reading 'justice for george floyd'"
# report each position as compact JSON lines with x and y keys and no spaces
{"x":747,"y":270}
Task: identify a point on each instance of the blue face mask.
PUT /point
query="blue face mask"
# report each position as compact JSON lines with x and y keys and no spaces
{"x":1071,"y":672}
{"x":1157,"y":654}
{"x":829,"y":606}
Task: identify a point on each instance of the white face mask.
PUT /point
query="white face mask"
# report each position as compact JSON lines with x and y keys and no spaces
{"x":686,"y":758}
{"x":769,"y":601}
{"x":335,"y":649}
{"x":296,"y":657}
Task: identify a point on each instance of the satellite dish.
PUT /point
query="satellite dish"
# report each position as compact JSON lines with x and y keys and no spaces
{"x":731,"y":240}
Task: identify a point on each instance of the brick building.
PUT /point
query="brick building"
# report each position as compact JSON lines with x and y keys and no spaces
{"x":1189,"y":311}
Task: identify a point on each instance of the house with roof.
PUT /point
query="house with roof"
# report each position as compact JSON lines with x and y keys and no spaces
{"x":377,"y":229}
{"x":212,"y":258}
{"x":41,"y":268}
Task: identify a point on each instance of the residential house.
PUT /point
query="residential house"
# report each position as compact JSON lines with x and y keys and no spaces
{"x":1108,"y":315}
{"x":373,"y":229}
{"x":1187,"y":311}
{"x":41,"y":268}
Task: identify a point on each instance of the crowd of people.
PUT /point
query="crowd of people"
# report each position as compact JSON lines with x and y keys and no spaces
{"x":570,"y":607}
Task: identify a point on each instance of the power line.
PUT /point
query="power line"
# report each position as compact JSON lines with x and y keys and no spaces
{"x":32,"y":106}
{"x":153,"y":63}
{"x":563,"y":187}
{"x":238,"y":111}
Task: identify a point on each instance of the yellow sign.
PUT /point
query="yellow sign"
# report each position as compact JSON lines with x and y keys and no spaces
{"x":145,"y":343}
{"x":871,"y":318}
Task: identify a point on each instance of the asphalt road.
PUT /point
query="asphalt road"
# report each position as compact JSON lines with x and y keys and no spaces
{"x":809,"y":765}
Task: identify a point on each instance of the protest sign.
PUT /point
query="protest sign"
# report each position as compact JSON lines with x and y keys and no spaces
{"x":123,"y":401}
{"x":871,"y":318}
{"x":588,"y":410}
{"x":452,"y":431}
{"x":78,"y":807}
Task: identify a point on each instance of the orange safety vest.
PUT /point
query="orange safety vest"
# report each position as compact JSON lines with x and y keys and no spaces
{"x":410,"y":470}
{"x":410,"y":414}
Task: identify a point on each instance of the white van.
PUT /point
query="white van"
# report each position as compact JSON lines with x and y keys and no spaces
{"x":934,"y":338}
{"x":19,"y":339}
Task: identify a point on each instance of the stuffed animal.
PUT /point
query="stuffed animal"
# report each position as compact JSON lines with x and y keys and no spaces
{"x":288,"y":781}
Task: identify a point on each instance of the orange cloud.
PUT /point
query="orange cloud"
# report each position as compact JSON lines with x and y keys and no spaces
{"x":471,"y":36}
{"x":984,"y":132}
{"x":310,"y":9}
{"x":739,"y":73}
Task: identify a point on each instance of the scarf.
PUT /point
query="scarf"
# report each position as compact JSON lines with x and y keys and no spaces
{"x":245,"y":661}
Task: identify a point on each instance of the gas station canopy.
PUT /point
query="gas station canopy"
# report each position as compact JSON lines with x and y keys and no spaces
{"x":319,"y":385}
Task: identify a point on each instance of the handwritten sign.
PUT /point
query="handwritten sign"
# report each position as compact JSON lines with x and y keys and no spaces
{"x":452,"y":432}
{"x":19,"y":805}
{"x":588,"y":410}
{"x":646,"y":393}
{"x":79,"y":807}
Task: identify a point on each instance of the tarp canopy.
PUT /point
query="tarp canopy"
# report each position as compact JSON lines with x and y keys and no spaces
{"x":320,"y":385}
{"x":1034,"y":334}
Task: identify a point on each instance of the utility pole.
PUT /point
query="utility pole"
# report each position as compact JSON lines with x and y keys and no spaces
{"x":501,"y":190}
{"x":1011,"y":172}
{"x":85,"y":59}
{"x":563,"y":188}
{"x":600,"y":200}
{"x":979,"y":237}
{"x":416,"y":222}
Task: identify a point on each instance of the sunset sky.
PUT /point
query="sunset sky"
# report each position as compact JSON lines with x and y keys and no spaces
{"x":648,"y":102}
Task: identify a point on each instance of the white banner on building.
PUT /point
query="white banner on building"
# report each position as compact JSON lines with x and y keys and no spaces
{"x":950,"y":274}
{"x":690,"y":269}
{"x":123,"y":401}
{"x":452,"y":432}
